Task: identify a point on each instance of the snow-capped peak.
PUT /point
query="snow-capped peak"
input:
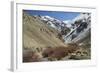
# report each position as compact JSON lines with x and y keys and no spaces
{"x":81,"y":17}
{"x":48,"y":18}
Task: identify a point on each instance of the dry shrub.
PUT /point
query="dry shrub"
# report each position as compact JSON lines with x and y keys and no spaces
{"x":31,"y":56}
{"x":80,"y":54}
{"x":59,"y":52}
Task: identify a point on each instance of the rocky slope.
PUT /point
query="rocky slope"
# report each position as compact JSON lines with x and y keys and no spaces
{"x":38,"y":34}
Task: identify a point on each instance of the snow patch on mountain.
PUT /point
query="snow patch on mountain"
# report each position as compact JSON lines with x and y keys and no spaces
{"x":82,"y":16}
{"x":81,"y":26}
{"x":53,"y":22}
{"x":68,"y":23}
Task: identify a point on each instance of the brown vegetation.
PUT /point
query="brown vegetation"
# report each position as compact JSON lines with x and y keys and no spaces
{"x":60,"y":52}
{"x":31,"y":56}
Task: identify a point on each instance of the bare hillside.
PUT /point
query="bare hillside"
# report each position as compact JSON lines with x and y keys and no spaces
{"x":38,"y":34}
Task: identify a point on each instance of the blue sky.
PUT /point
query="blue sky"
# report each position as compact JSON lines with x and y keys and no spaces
{"x":56,"y":14}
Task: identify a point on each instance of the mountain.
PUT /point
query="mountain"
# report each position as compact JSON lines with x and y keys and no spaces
{"x":48,"y":39}
{"x":82,"y":16}
{"x":36,"y":33}
{"x":82,"y":30}
{"x":68,"y":23}
{"x":55,"y":23}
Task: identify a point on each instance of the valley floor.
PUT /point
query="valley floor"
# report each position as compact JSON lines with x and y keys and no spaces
{"x":70,"y":52}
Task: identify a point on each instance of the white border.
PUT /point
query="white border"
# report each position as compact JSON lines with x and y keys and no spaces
{"x":17,"y":34}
